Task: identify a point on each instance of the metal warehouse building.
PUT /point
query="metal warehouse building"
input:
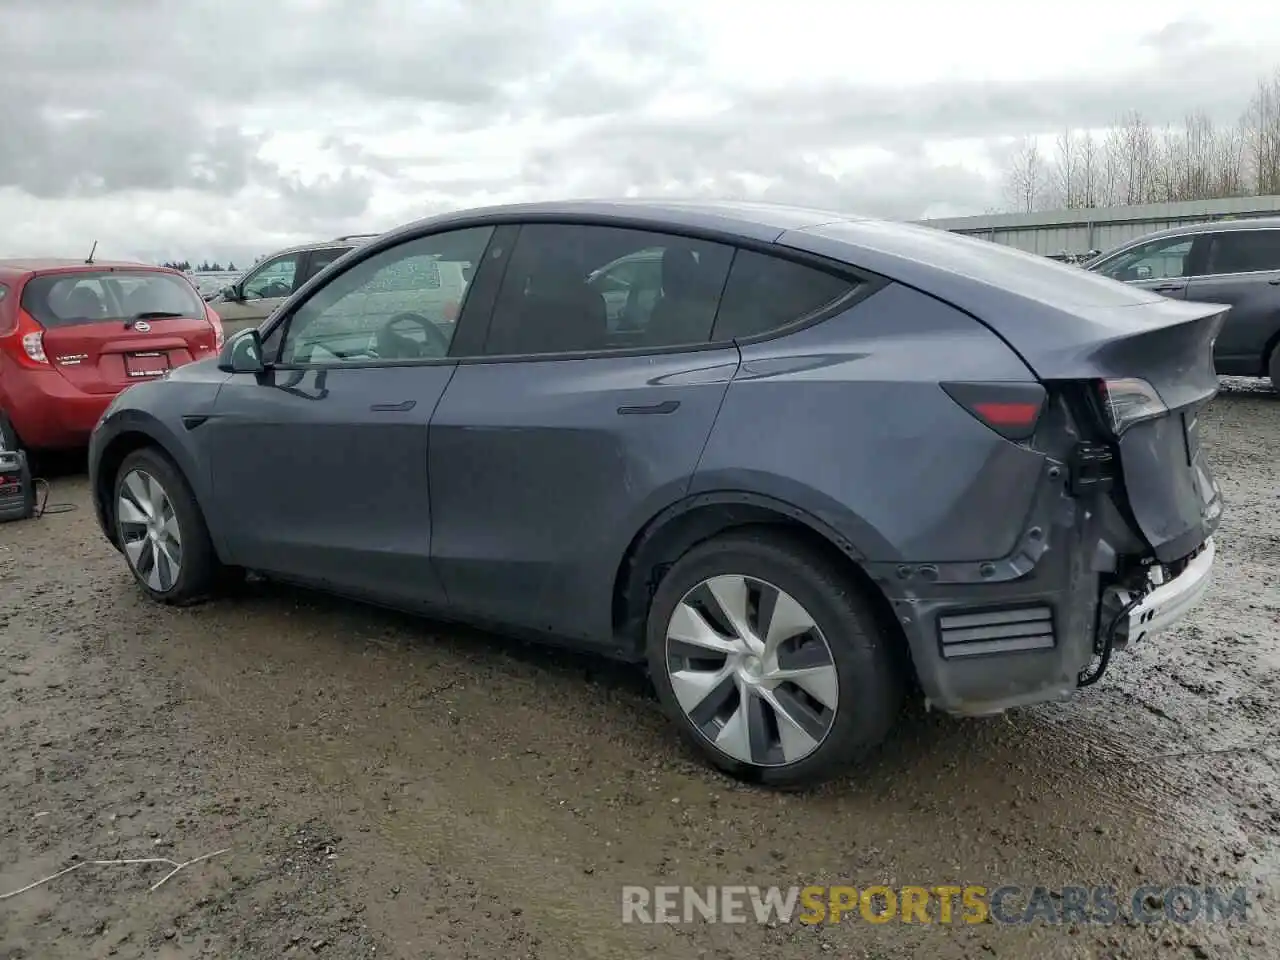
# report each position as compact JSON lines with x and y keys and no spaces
{"x":1076,"y":232}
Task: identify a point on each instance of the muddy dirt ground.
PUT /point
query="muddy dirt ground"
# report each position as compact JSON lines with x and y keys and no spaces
{"x":387,"y":787}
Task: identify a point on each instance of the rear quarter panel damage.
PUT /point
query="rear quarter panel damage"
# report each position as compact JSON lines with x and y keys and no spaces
{"x":845,"y":419}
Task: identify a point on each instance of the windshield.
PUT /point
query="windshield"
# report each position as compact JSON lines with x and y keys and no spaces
{"x":91,"y":296}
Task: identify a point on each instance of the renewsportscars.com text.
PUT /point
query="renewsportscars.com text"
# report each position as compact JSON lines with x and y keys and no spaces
{"x":943,"y":904}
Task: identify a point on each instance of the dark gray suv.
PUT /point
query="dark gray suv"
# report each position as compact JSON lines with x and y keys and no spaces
{"x":823,"y":462}
{"x":1232,"y":262}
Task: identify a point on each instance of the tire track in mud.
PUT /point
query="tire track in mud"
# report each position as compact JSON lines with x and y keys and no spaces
{"x":390,"y":783}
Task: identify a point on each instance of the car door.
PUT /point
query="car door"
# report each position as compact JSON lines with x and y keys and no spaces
{"x":319,"y":464}
{"x":560,"y":438}
{"x":263,"y":289}
{"x":1162,"y":265}
{"x":1243,"y":271}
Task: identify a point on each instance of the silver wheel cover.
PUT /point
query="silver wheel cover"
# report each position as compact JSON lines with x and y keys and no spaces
{"x":752,"y":671}
{"x":149,"y":531}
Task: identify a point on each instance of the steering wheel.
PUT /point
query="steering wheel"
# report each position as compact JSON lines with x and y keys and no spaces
{"x":394,"y":345}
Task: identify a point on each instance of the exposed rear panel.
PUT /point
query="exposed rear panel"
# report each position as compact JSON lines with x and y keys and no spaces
{"x":847,"y":420}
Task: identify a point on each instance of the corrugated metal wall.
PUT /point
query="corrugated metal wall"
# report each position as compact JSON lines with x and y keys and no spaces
{"x":1079,"y":231}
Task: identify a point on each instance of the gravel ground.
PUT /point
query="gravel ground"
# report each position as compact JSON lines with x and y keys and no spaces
{"x":384,"y":787}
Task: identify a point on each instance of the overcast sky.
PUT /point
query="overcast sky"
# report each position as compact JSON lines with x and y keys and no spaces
{"x":225,"y":128}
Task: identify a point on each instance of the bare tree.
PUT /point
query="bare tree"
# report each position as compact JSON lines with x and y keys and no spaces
{"x":1132,"y":163}
{"x":1262,"y":124}
{"x":1026,"y":177}
{"x":1113,"y":167}
{"x":1139,"y":160}
{"x":1089,"y":167}
{"x":1064,"y":171}
{"x":1229,"y":175}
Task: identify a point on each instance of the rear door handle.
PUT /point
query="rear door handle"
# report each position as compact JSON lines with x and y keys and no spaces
{"x":400,"y":407}
{"x":1275,"y":282}
{"x":1168,"y":287}
{"x":666,"y":406}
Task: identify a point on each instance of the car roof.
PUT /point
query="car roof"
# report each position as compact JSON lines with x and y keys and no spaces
{"x":747,"y":219}
{"x":1199,"y":229}
{"x":25,"y":265}
{"x":350,"y":241}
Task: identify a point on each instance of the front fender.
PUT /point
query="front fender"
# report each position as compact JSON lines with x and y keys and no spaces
{"x":126,"y":429}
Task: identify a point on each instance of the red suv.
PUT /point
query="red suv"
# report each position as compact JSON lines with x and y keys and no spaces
{"x":74,"y":334}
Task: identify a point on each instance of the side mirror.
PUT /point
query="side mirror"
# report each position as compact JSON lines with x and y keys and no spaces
{"x":242,"y":353}
{"x":232,"y":293}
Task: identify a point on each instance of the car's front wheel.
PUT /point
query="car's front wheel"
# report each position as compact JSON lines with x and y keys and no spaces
{"x":161,"y":530}
{"x":1273,"y":368}
{"x":770,"y":659}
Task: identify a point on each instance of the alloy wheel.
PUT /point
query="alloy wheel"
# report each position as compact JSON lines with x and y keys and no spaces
{"x":751,"y":670}
{"x":149,"y":531}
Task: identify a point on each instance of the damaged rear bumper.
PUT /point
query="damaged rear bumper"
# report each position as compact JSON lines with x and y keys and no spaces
{"x":1028,"y":633}
{"x":1166,"y":602}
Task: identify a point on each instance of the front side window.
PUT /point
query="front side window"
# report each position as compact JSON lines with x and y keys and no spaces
{"x":273,"y":280}
{"x":400,"y":304}
{"x":1157,"y":260}
{"x":59,"y":300}
{"x":1244,"y":251}
{"x":766,"y":293}
{"x":573,"y":288}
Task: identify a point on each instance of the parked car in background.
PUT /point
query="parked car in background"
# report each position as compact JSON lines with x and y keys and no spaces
{"x":248,"y":301}
{"x":833,"y":461}
{"x":209,"y":285}
{"x":1232,"y":262}
{"x":74,"y":334}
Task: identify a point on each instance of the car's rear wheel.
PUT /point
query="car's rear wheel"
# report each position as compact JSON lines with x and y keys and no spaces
{"x":1273,"y":368}
{"x":161,"y":530}
{"x":770,"y":659}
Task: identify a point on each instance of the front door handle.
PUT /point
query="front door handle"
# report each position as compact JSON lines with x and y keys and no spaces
{"x":666,"y":406}
{"x":1275,"y":282}
{"x":1168,"y":287}
{"x":400,"y":407}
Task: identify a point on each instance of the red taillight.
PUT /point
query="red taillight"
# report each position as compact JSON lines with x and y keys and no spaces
{"x":1010,"y":409}
{"x":1015,"y":416}
{"x":26,"y":341}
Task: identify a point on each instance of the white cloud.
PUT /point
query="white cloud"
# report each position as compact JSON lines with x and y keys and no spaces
{"x":222,"y":130}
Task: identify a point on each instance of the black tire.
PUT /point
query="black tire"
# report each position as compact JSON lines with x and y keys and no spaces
{"x":199,"y":571}
{"x":1273,"y":368}
{"x":870,"y":682}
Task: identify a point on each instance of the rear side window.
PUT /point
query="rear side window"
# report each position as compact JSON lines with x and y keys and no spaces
{"x":1244,"y":251}
{"x":320,"y":259}
{"x":765,"y":293}
{"x":578,"y":288}
{"x":91,"y":296}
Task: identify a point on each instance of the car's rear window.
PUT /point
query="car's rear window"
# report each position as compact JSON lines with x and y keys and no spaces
{"x":90,"y":296}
